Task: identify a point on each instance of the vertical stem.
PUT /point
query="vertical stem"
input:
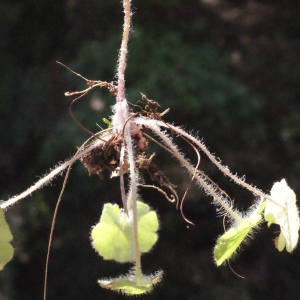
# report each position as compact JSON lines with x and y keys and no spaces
{"x":123,"y":52}
{"x":138,"y":269}
{"x":131,"y":204}
{"x":121,"y":108}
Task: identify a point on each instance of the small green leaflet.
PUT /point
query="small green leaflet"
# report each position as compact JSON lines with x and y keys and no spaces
{"x":128,"y":284}
{"x":286,"y":215}
{"x":107,"y":122}
{"x":228,"y":243}
{"x":112,"y":237}
{"x":6,"y":249}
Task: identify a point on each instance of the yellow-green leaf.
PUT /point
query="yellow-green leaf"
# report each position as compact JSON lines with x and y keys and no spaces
{"x":128,"y":285}
{"x":228,"y":243}
{"x":107,"y":122}
{"x":6,"y":249}
{"x":112,"y":237}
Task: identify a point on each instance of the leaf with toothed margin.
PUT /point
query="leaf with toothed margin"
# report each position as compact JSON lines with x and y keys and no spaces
{"x":228,"y":243}
{"x":112,"y":237}
{"x":6,"y":249}
{"x":285,"y":214}
{"x":128,"y":284}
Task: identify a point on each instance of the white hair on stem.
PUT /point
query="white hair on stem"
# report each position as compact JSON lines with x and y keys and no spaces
{"x":214,"y":160}
{"x":223,"y":203}
{"x":123,"y":52}
{"x":120,"y":109}
{"x":50,"y":176}
{"x":120,"y":115}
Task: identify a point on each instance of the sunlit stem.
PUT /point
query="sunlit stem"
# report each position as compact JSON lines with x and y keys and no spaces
{"x":121,"y":107}
{"x":151,"y":124}
{"x":46,"y":179}
{"x":123,"y":52}
{"x":122,"y":113}
{"x":222,"y":168}
{"x":131,"y":204}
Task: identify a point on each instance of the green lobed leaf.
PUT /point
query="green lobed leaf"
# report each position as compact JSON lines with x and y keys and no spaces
{"x":112,"y":237}
{"x":228,"y":243}
{"x":285,"y":214}
{"x":6,"y":249}
{"x":128,"y":285}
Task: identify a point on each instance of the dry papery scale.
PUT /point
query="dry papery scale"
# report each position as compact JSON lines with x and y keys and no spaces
{"x":122,"y":149}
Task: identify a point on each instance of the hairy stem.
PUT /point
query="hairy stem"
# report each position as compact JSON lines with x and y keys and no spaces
{"x":123,"y":52}
{"x":132,"y":199}
{"x":121,"y":113}
{"x":222,"y":168}
{"x":151,"y":124}
{"x":121,"y":107}
{"x":46,"y":179}
{"x":122,"y":185}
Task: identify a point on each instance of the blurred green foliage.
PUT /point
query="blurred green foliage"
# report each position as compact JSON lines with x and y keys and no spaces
{"x":228,"y":70}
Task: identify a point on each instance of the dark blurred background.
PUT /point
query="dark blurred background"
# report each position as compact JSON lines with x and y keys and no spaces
{"x":229,"y":70}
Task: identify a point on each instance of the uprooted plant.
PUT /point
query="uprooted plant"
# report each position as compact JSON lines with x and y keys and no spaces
{"x":124,"y":234}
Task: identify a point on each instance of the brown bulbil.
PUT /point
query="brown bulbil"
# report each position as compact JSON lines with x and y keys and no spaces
{"x":144,"y":163}
{"x":107,"y":156}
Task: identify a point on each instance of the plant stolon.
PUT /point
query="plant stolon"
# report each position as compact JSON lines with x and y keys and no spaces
{"x":124,"y":234}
